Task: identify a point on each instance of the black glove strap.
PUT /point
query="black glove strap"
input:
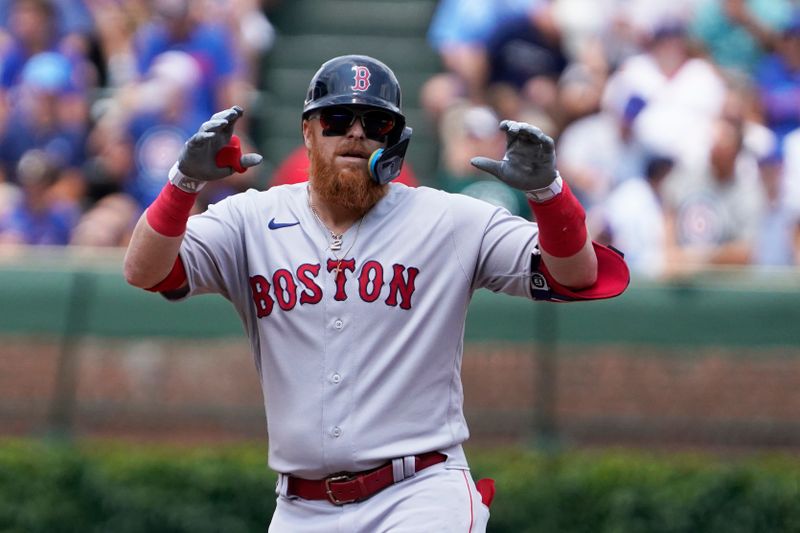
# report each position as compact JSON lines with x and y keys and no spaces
{"x":540,"y":289}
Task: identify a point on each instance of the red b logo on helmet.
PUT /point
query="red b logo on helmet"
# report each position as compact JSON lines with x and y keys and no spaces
{"x":361,"y":81}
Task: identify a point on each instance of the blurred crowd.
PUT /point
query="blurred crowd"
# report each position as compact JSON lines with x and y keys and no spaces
{"x":677,"y":122}
{"x":97,"y":98}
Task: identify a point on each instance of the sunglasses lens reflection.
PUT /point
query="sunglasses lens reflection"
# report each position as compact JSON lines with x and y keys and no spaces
{"x":338,"y":120}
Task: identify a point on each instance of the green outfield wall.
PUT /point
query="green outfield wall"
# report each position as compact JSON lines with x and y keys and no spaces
{"x":75,"y":294}
{"x":709,"y":361}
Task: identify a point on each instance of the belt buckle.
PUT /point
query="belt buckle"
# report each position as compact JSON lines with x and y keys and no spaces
{"x":331,"y":497}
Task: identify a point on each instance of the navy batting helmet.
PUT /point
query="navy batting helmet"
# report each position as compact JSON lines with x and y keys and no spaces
{"x":356,"y":80}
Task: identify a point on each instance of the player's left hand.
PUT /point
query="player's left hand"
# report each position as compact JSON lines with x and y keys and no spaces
{"x":530,"y":159}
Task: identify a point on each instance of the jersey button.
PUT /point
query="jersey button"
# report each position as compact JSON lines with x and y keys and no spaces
{"x":336,"y":431}
{"x":336,"y":378}
{"x":338,"y":324}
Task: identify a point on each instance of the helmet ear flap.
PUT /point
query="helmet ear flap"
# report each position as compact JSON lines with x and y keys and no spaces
{"x":385,"y":163}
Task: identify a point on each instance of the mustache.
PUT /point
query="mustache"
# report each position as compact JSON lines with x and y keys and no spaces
{"x":354,"y":148}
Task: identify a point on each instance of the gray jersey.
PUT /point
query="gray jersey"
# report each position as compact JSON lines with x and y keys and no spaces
{"x":362,"y":366}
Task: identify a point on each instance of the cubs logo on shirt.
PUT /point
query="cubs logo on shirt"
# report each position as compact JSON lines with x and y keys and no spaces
{"x":700,"y":222}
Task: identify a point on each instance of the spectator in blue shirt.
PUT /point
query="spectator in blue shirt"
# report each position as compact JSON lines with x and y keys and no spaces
{"x":460,"y":32}
{"x":50,"y":113}
{"x":778,"y":79}
{"x":38,"y":217}
{"x":737,"y":33}
{"x":178,"y":28}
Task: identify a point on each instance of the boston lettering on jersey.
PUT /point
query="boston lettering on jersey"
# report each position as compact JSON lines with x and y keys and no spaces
{"x":286,"y":288}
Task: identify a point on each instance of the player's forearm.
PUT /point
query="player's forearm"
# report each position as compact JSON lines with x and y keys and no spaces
{"x":564,"y":239}
{"x":150,"y":255}
{"x":577,"y":271}
{"x":157,"y":237}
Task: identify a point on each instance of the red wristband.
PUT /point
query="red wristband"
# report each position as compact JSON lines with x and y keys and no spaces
{"x":170,"y":211}
{"x":562,"y":224}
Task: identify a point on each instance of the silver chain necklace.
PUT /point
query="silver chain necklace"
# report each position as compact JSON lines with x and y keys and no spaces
{"x":336,"y":243}
{"x":336,"y":238}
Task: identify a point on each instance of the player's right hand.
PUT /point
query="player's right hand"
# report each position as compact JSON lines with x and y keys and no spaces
{"x":214,"y":151}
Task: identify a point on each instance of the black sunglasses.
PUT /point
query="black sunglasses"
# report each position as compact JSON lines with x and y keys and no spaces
{"x":338,"y":120}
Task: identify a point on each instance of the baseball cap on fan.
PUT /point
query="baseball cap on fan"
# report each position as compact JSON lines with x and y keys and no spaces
{"x":48,"y":72}
{"x":668,"y":28}
{"x":467,"y":121}
{"x":176,"y":68}
{"x":36,"y":169}
{"x":480,"y":122}
{"x":173,"y":74}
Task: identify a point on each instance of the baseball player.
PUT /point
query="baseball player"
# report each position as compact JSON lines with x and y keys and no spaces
{"x":353,"y":291}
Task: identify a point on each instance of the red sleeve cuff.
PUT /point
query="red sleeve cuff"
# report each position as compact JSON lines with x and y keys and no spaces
{"x":613,"y":277}
{"x":174,"y":280}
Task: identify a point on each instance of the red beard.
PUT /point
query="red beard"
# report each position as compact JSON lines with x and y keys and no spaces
{"x":348,"y":186}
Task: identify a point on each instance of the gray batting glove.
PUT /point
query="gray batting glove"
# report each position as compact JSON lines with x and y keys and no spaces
{"x":529,"y":163}
{"x":213,"y":152}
